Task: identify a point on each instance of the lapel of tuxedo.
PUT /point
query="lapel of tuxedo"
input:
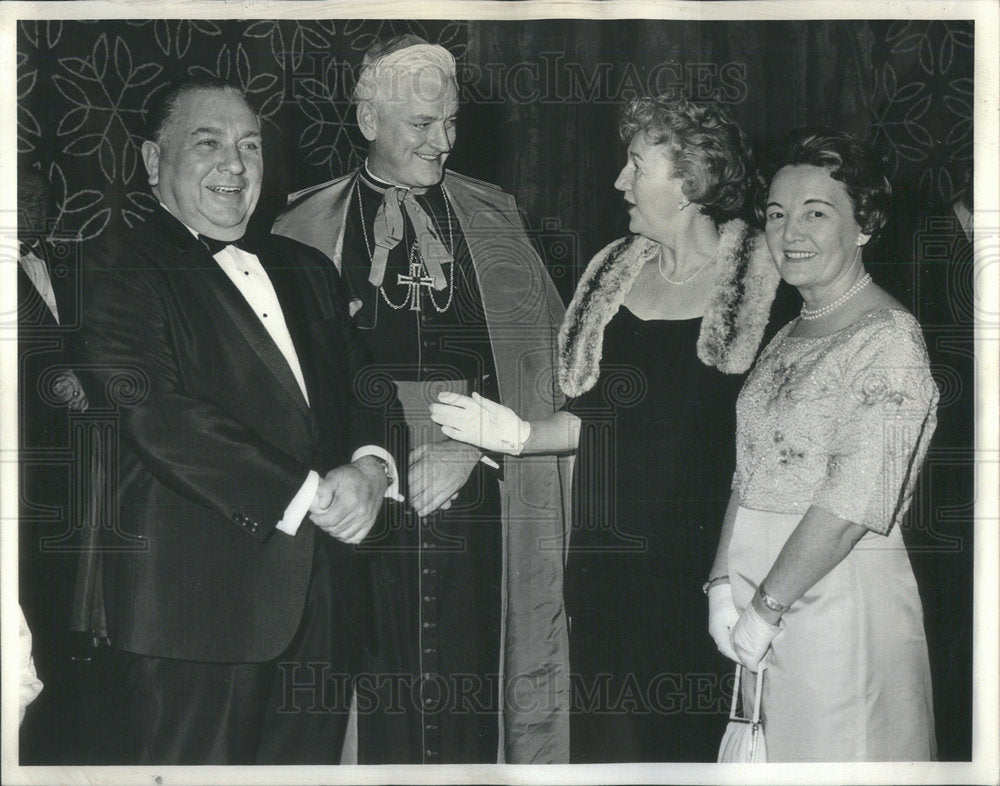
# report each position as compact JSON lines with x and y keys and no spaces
{"x":288,"y":289}
{"x":194,"y":255}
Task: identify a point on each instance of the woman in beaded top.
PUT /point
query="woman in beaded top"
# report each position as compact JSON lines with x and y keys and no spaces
{"x":663,"y":324}
{"x":833,"y":423}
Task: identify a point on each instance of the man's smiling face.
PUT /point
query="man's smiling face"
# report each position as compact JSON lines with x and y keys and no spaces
{"x":207,"y":165}
{"x":411,"y":128}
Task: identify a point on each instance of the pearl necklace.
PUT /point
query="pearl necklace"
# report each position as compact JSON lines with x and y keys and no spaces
{"x":811,"y":313}
{"x":665,"y":277}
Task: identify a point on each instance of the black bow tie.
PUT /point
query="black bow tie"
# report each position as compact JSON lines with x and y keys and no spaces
{"x":215,"y":246}
{"x":33,"y":246}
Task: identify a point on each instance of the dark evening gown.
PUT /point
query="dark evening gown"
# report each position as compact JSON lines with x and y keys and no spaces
{"x":651,"y":483}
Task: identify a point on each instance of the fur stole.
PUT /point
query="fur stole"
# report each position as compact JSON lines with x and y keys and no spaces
{"x":732,"y":325}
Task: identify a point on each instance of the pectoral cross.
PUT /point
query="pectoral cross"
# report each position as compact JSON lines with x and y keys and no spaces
{"x":414,"y":281}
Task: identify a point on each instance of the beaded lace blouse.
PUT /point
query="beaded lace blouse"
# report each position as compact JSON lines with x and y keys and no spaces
{"x":841,"y":421}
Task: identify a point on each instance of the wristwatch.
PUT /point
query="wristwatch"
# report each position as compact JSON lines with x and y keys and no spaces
{"x":389,"y":477}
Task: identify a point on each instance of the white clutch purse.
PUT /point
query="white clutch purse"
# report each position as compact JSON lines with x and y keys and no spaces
{"x":743,"y":741}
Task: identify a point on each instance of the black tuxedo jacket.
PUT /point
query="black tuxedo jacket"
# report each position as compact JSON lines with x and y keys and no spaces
{"x":47,"y":533}
{"x":215,"y":438}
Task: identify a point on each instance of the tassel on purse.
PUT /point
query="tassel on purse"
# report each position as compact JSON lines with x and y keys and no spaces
{"x":743,"y":742}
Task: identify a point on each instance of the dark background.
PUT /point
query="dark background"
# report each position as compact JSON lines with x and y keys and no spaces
{"x":538,"y":117}
{"x":539,"y":109}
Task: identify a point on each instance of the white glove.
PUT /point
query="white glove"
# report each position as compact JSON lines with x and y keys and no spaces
{"x":722,"y":616}
{"x":480,"y":422}
{"x":752,"y":637}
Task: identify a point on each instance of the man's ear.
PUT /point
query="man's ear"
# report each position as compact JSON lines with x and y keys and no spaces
{"x":862,"y":239}
{"x":368,"y":120}
{"x":151,"y":159}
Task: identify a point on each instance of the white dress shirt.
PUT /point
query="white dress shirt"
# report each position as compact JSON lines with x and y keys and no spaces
{"x":38,"y":273}
{"x":248,"y":275}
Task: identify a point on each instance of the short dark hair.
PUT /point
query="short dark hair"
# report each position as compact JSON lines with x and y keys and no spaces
{"x":164,"y":102}
{"x":847,"y":158}
{"x":706,"y":147}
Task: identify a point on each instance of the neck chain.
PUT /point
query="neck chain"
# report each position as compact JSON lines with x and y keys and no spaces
{"x":415,"y":262}
{"x":816,"y":313}
{"x":665,"y":277}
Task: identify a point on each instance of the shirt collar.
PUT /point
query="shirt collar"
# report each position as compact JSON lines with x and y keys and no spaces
{"x":379,"y":182}
{"x":382,"y":185}
{"x":964,"y":216}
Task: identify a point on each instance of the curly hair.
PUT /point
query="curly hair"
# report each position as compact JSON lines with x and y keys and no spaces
{"x":851,"y":160}
{"x":706,"y":148}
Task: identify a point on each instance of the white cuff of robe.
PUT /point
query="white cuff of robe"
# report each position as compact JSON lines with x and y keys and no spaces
{"x":299,"y":506}
{"x":374,"y":450}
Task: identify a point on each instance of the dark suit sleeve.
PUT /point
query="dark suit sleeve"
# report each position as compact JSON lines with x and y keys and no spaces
{"x":372,"y":397}
{"x":191,"y":445}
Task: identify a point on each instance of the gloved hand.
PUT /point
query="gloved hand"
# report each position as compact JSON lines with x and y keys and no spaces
{"x":722,"y":616}
{"x":752,"y":637}
{"x":480,"y":422}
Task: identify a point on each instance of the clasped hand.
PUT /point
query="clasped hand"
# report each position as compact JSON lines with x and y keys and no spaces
{"x":348,"y":500}
{"x":744,"y":638}
{"x":437,"y":471}
{"x":722,"y":617}
{"x":68,"y":391}
{"x":480,"y":422}
{"x":752,"y":636}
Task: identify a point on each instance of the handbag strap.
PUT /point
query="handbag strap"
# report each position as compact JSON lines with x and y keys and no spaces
{"x":757,"y":693}
{"x":736,"y":692}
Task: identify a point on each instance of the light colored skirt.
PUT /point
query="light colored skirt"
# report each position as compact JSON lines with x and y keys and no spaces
{"x":848,"y":678}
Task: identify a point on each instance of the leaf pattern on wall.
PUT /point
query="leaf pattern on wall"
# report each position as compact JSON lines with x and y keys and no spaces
{"x":28,"y":129}
{"x":104,"y":95}
{"x":84,"y":87}
{"x":922,"y":102}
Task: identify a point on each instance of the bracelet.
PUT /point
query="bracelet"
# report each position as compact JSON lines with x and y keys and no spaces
{"x":771,"y":603}
{"x":713,"y":581}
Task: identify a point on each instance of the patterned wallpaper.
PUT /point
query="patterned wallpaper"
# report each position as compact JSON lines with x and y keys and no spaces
{"x":921,"y":102}
{"x":82,"y":88}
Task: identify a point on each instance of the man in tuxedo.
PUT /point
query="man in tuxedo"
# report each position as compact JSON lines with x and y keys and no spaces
{"x":448,"y":293}
{"x":48,"y":392}
{"x":234,"y":596}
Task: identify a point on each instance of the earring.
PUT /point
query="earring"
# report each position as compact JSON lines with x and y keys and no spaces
{"x":683,"y":204}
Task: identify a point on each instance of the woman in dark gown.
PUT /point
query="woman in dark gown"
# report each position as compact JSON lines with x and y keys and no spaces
{"x":662,"y":326}
{"x":650,"y":480}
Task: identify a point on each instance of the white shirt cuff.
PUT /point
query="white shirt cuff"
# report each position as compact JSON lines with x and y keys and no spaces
{"x":374,"y":450}
{"x":299,"y":506}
